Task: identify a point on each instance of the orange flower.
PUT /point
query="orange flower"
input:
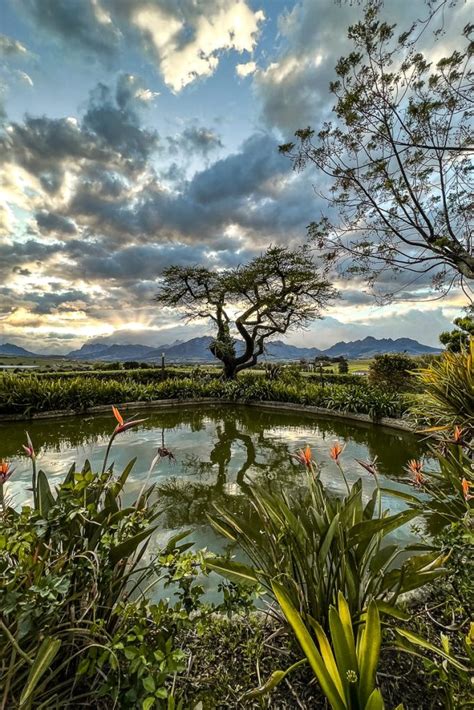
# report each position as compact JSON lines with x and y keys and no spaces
{"x":305,"y":457}
{"x":5,"y":471}
{"x":123,"y":426}
{"x":457,"y":435}
{"x":415,"y":470}
{"x":336,"y":451}
{"x":117,"y":415}
{"x":466,"y":487}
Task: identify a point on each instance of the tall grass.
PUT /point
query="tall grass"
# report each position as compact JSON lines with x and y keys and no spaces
{"x":29,"y":394}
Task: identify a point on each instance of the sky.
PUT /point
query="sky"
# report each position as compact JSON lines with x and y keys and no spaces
{"x":136,"y":134}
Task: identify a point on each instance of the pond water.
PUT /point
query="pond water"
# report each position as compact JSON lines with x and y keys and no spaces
{"x":219,"y":451}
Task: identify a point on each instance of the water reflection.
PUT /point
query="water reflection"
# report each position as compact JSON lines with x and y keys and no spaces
{"x":219,"y":452}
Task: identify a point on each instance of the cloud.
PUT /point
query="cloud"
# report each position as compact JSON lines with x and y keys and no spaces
{"x":10,"y":47}
{"x":194,"y":139}
{"x":184,"y":40}
{"x":187,"y":47}
{"x":113,"y":116}
{"x":51,"y":222}
{"x":25,"y":78}
{"x":79,"y":24}
{"x":246,"y":69}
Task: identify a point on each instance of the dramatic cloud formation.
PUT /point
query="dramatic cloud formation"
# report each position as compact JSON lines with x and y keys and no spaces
{"x":147,"y":135}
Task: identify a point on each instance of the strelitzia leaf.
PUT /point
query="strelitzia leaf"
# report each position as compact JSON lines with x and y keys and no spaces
{"x":128,"y":547}
{"x":375,"y":702}
{"x":328,"y":656}
{"x":344,"y":651}
{"x":368,"y":528}
{"x":309,"y":648}
{"x":45,"y":497}
{"x":43,"y":659}
{"x":368,"y":653}
{"x":235,"y":571}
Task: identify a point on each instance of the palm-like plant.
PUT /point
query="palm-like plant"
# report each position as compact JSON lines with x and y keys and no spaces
{"x":344,"y":664}
{"x":317,"y":545}
{"x":447,"y":397}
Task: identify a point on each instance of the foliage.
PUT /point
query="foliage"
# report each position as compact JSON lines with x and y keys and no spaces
{"x":343,"y":367}
{"x":391,"y":371}
{"x":273,"y":371}
{"x":346,"y":668}
{"x":448,"y":392}
{"x":404,"y":205}
{"x":29,"y":394}
{"x":70,"y":567}
{"x":317,"y":545}
{"x":445,"y":494}
{"x":457,"y":339}
{"x":66,"y":567}
{"x":279,"y":290}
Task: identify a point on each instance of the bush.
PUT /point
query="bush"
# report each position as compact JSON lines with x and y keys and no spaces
{"x":77,"y":625}
{"x":447,"y":397}
{"x":68,"y":567}
{"x":316,"y":545}
{"x":392,"y":372}
{"x":30,"y":394}
{"x":343,"y":367}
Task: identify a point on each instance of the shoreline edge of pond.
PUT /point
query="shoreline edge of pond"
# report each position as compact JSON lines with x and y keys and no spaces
{"x":389,"y":422}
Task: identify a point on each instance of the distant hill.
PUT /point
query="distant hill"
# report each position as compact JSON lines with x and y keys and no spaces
{"x":197,"y":350}
{"x":10,"y":350}
{"x":368,"y":347}
{"x":101,"y":351}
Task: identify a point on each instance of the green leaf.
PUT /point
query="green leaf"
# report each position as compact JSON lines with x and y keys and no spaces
{"x":326,"y":544}
{"x":391,"y":610}
{"x":42,"y":662}
{"x":368,"y":528}
{"x":235,"y":571}
{"x":375,"y":701}
{"x":171,"y":544}
{"x":328,"y":657}
{"x":309,"y":648}
{"x":149,"y":684}
{"x":420,"y":641}
{"x":344,"y":652}
{"x":368,"y":652}
{"x":128,"y":547}
{"x":148,"y":703}
{"x":45,"y":497}
{"x":275,"y":678}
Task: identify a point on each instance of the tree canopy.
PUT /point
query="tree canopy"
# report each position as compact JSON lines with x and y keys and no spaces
{"x":398,"y":154}
{"x":457,"y":339}
{"x":273,"y":293}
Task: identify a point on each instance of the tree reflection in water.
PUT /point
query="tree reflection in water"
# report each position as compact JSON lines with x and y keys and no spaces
{"x":219,"y":450}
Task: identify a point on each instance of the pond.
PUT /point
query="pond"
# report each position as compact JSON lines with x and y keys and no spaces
{"x":219,"y":451}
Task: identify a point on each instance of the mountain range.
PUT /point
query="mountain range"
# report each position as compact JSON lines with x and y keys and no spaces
{"x":197,"y":350}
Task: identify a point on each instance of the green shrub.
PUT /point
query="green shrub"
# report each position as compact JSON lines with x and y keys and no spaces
{"x":317,"y":545}
{"x":447,"y":397}
{"x":345,"y":668}
{"x":29,"y":394}
{"x":392,"y":372}
{"x":69,"y":569}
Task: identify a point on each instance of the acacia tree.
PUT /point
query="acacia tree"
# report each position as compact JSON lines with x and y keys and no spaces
{"x":398,"y":155}
{"x":275,"y":292}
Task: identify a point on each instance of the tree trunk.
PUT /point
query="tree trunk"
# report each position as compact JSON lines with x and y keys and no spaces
{"x":230,"y":368}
